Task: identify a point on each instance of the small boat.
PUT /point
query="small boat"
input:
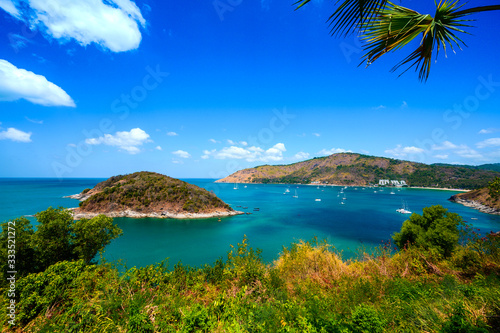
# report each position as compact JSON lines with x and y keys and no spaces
{"x":235,"y":187}
{"x":287,"y":191}
{"x":245,"y":186}
{"x":295,"y":195}
{"x":392,"y":192}
{"x":404,"y":209}
{"x":317,"y":199}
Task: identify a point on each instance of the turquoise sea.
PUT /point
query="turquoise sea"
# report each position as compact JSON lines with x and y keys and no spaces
{"x":365,"y":220}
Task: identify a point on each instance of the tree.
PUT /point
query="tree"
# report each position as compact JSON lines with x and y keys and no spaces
{"x":384,"y":27}
{"x":52,"y":240}
{"x":494,"y":188}
{"x":16,"y":236}
{"x":57,"y":238}
{"x":91,"y":236}
{"x":436,"y":229}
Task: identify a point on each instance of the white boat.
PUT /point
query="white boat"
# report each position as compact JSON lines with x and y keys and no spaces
{"x":295,"y":195}
{"x":287,"y":191}
{"x":235,"y":186}
{"x":245,"y":186}
{"x":317,"y":199}
{"x":404,"y":209}
{"x":392,"y":192}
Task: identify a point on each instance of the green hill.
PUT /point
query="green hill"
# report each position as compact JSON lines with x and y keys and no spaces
{"x":491,"y":166}
{"x":149,"y":193}
{"x":361,"y":170}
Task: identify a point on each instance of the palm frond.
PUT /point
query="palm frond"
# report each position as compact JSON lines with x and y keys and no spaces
{"x":354,"y":15}
{"x":350,"y":15}
{"x":395,"y":26}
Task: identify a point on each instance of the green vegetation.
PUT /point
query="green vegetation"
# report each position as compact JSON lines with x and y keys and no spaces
{"x":435,"y":229}
{"x":494,"y":188}
{"x":309,"y":288}
{"x":57,"y":238}
{"x":149,"y":191}
{"x":356,"y":169}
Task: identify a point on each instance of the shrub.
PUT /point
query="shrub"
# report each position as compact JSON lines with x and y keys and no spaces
{"x":366,"y":319}
{"x":436,"y":229}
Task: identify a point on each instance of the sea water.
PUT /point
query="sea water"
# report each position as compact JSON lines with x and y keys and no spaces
{"x":277,"y":218}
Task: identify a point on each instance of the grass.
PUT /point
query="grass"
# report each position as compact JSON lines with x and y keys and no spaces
{"x":310,"y":288}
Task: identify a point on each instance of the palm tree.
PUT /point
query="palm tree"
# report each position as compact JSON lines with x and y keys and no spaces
{"x":384,"y":27}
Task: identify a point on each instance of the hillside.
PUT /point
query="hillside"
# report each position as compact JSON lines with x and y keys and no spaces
{"x":491,"y":166}
{"x":361,"y":170}
{"x":149,"y":194}
{"x":478,"y":199}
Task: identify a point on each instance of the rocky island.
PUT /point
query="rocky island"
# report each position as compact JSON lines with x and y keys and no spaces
{"x":149,"y":194}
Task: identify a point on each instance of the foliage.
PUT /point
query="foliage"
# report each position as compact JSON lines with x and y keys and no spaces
{"x":57,"y":238}
{"x":494,"y":188}
{"x":309,"y":288}
{"x":385,"y":27}
{"x":91,"y":236}
{"x":434,"y":229}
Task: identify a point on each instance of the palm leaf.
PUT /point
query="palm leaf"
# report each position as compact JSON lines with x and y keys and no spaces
{"x":354,"y":15}
{"x":350,"y":15}
{"x":396,"y":26}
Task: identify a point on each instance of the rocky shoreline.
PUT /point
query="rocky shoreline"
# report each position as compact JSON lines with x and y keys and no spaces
{"x":476,"y":205}
{"x":162,"y":215}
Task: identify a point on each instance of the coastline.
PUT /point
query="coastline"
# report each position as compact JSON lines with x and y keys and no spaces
{"x":371,"y":186}
{"x":440,"y":189}
{"x":475,"y":205}
{"x":164,"y":215}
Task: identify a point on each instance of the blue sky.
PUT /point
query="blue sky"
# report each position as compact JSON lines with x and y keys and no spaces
{"x":95,"y":89}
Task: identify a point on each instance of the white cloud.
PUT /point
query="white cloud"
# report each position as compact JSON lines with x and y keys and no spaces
{"x":128,"y":141}
{"x":401,"y":151}
{"x":231,"y":142}
{"x":172,"y":134}
{"x":467,"y":152}
{"x":489,"y":131}
{"x":112,"y":24}
{"x":244,"y":143}
{"x":445,"y":145}
{"x":158,"y":148}
{"x":442,"y":157}
{"x":214,"y":141}
{"x":15,"y":135}
{"x":17,"y":83}
{"x":301,"y":156}
{"x":333,"y":151}
{"x":34,"y":121}
{"x":380,"y":107}
{"x":317,"y":134}
{"x":250,"y":154}
{"x":10,"y":8}
{"x":493,"y":142}
{"x":181,"y":153}
{"x":404,"y":105}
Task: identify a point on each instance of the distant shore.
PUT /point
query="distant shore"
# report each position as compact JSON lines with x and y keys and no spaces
{"x":415,"y":187}
{"x":163,"y":215}
{"x":440,"y":188}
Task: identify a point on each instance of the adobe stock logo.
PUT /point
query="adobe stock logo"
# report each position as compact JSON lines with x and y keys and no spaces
{"x":223,"y":6}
